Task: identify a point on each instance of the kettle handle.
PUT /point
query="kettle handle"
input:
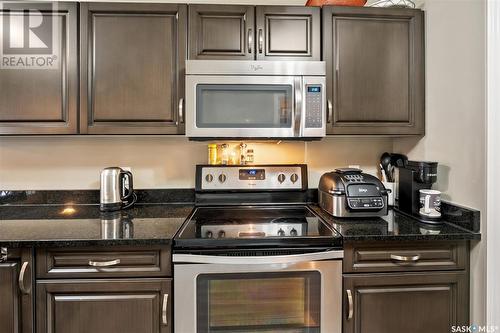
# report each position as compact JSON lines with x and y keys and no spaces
{"x":128,"y":174}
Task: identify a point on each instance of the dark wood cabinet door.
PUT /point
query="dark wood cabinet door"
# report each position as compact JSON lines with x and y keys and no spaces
{"x":16,"y":309}
{"x":39,"y":68}
{"x":132,"y":68}
{"x":104,"y":306}
{"x":405,"y":302}
{"x":375,"y":70}
{"x":221,"y":32}
{"x":288,"y":33}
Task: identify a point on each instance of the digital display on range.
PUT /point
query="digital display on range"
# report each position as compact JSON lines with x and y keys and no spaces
{"x":252,"y":174}
{"x":314,"y":89}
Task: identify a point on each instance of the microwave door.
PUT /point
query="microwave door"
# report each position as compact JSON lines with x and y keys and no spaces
{"x":241,"y":106}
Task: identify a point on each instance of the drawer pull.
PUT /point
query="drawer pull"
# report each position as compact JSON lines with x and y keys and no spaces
{"x":22,"y":286}
{"x":104,"y":263}
{"x":164,"y":318}
{"x":405,"y":258}
{"x":350,"y":303}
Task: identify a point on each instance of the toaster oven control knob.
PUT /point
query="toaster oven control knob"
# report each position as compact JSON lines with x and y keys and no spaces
{"x":294,"y":177}
{"x":222,"y":234}
{"x":209,"y":178}
{"x":293,"y":232}
{"x":209,"y":234}
{"x":281,"y":233}
{"x":281,"y":178}
{"x":222,"y":178}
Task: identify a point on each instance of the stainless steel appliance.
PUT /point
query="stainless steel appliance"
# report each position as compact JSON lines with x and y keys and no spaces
{"x":117,"y":189}
{"x":352,"y":193}
{"x":255,"y":258}
{"x":256,"y":99}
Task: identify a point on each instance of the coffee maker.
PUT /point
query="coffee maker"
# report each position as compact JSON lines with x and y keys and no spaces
{"x":413,"y":177}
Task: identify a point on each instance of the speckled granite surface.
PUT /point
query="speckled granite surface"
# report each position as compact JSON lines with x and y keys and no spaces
{"x":85,"y":225}
{"x":395,"y":227}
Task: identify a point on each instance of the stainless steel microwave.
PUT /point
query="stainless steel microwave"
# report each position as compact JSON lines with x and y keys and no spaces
{"x":255,"y":99}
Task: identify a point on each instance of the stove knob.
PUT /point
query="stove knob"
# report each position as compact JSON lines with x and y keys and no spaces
{"x":222,"y":178}
{"x":293,"y":232}
{"x":281,"y":233}
{"x":294,"y":177}
{"x":281,"y":178}
{"x":208,"y":234}
{"x":222,"y":234}
{"x":209,"y":178}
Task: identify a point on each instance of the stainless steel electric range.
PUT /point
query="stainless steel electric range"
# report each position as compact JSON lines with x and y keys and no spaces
{"x":253,"y":257}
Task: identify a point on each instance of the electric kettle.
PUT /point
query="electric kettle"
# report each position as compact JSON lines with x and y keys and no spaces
{"x":117,"y":190}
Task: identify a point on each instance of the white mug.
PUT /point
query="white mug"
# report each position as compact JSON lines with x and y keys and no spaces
{"x":430,"y":203}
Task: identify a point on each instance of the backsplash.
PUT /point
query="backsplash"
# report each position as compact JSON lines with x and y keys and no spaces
{"x":51,"y":163}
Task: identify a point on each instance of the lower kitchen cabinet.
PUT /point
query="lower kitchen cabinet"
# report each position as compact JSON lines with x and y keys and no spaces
{"x":405,"y":302}
{"x":104,"y":306}
{"x":16,"y":307}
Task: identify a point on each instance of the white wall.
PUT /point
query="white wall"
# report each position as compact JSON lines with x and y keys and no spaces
{"x":158,"y":162}
{"x":455,"y":117}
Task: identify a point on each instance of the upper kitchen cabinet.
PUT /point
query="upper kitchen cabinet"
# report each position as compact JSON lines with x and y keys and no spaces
{"x":249,"y":33}
{"x":132,"y":68}
{"x":288,"y":33}
{"x":221,"y":32}
{"x":39,"y":68}
{"x":375,"y":70}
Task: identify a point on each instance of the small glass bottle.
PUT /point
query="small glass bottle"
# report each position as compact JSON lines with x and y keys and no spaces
{"x":224,"y":154}
{"x":243,"y":153}
{"x":250,"y":156}
{"x":212,"y":154}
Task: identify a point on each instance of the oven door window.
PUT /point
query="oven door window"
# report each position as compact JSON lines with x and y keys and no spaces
{"x":244,"y":106}
{"x":259,"y":302}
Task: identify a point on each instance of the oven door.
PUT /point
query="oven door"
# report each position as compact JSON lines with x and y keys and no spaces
{"x":243,"y":106}
{"x":294,"y":293}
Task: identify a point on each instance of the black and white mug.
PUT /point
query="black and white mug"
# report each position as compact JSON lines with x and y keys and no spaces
{"x":430,"y":204}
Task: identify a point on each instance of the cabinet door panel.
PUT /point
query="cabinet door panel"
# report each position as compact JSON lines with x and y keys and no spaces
{"x":288,"y":33}
{"x":221,"y":32}
{"x":10,"y":311}
{"x":375,"y":70}
{"x":132,"y":58}
{"x":411,"y":302}
{"x":39,"y":86}
{"x":103,"y":306}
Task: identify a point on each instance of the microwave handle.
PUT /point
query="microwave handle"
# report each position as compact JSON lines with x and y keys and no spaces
{"x":259,"y":260}
{"x":297,"y":125}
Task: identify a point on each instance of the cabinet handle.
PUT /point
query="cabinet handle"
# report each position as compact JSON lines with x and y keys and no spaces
{"x":405,"y":258}
{"x":164,"y":318}
{"x":350,"y":303}
{"x":261,"y":41}
{"x":181,"y":110}
{"x":330,"y":112}
{"x":22,"y":286}
{"x":250,"y":40}
{"x":104,"y":263}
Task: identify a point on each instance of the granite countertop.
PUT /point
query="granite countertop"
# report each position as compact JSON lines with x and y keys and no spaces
{"x":395,"y":227}
{"x":85,"y":225}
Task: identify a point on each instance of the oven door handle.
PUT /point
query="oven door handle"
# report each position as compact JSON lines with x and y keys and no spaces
{"x":257,"y":260}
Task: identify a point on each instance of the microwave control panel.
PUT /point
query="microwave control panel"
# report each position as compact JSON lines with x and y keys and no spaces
{"x":314,"y":104}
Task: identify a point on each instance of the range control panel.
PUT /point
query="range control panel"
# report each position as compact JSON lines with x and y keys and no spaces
{"x":258,"y":177}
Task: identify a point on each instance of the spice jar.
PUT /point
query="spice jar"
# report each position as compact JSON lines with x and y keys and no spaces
{"x":250,"y":156}
{"x":224,"y":154}
{"x":212,"y":154}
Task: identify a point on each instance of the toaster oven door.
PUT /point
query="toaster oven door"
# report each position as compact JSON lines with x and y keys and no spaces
{"x":243,"y":106}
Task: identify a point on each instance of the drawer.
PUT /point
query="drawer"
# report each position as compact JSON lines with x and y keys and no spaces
{"x":103,"y":262}
{"x":394,"y":257}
